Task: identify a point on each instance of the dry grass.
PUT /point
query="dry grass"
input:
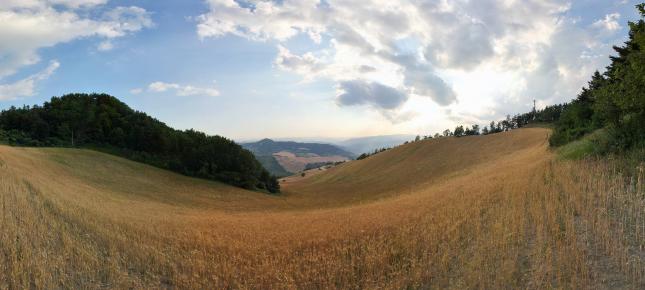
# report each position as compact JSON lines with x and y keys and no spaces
{"x":483,"y":212}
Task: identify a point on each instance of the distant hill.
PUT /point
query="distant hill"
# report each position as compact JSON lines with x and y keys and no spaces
{"x":369,"y":144}
{"x":283,"y":158}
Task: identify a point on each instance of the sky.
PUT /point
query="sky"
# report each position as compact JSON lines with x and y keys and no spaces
{"x":309,"y":68}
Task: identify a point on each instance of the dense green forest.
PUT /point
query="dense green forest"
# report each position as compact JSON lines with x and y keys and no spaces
{"x":103,"y":122}
{"x":613,"y":101}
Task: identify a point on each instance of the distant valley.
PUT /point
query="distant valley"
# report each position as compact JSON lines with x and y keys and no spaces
{"x":286,"y":157}
{"x":282,"y":158}
{"x":368,"y":144}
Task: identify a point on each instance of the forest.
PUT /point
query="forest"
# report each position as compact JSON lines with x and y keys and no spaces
{"x":102,"y":122}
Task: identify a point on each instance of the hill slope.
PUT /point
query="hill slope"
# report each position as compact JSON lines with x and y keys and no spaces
{"x":280,"y":157}
{"x":419,"y":164}
{"x":430,"y":214}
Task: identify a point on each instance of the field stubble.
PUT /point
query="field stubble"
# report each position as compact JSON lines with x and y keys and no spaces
{"x":515,"y":219}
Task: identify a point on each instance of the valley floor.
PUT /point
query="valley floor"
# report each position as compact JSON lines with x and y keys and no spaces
{"x":495,"y":212}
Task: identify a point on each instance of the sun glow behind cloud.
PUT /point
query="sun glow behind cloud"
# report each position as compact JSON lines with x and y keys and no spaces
{"x":456,"y":61}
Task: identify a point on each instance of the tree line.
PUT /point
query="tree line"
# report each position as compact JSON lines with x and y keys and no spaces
{"x":103,"y":122}
{"x":549,"y":114}
{"x":613,"y":101}
{"x":376,"y":151}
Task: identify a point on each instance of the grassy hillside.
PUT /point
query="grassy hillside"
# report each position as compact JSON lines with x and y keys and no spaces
{"x":495,"y":211}
{"x":421,"y":164}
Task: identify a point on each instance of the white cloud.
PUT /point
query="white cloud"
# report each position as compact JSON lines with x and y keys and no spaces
{"x":609,"y":23}
{"x":78,"y":3}
{"x":306,"y":65}
{"x":158,"y":87}
{"x":105,"y":45}
{"x":405,"y":43}
{"x":449,"y":54}
{"x":30,"y":25}
{"x":265,"y":20}
{"x":26,"y":87}
{"x":179,"y":90}
{"x":123,"y":20}
{"x":136,"y":91}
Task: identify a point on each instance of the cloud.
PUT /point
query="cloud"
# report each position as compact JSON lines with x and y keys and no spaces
{"x":105,"y":45}
{"x":177,"y":89}
{"x":424,"y":82}
{"x":78,"y":3}
{"x":366,"y":69}
{"x":123,"y":20}
{"x":379,"y":96}
{"x":609,"y":23}
{"x":26,"y":87}
{"x":158,"y":87}
{"x":261,"y":20}
{"x":28,"y":26}
{"x":307,"y":65}
{"x":136,"y":91}
{"x":444,"y":51}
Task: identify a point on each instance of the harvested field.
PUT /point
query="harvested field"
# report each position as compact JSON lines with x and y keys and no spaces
{"x":496,"y":211}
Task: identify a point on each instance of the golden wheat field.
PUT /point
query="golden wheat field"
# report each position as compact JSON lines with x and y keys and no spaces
{"x":483,"y":212}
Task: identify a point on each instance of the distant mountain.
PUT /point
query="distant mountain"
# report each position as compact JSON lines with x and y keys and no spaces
{"x":280,"y":157}
{"x":269,"y":147}
{"x":369,"y":144}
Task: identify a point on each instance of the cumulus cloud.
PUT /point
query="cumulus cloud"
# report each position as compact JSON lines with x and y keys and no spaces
{"x":177,"y":89}
{"x":422,"y":47}
{"x":609,"y":23}
{"x":379,"y":96}
{"x":262,"y":20}
{"x":307,"y":65}
{"x":30,"y":25}
{"x":26,"y":87}
{"x":123,"y":20}
{"x":426,"y":83}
